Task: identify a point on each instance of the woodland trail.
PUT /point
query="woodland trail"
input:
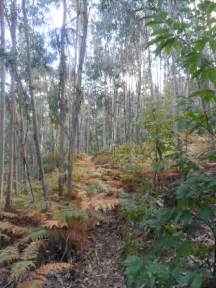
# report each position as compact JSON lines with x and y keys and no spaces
{"x":99,"y":265}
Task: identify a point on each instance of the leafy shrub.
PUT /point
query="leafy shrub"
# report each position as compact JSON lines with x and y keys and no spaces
{"x":176,"y":254}
{"x":130,"y":157}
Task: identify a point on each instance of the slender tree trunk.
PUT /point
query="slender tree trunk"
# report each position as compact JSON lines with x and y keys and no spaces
{"x":62,"y":79}
{"x":79,"y":95}
{"x":34,"y":115}
{"x":138,"y":90}
{"x":2,"y":99}
{"x":104,"y":124}
{"x":175,"y":98}
{"x":13,"y":106}
{"x":24,"y":157}
{"x":114,"y":115}
{"x":16,"y":178}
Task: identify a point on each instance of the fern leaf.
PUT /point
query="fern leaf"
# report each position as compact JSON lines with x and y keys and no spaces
{"x":31,"y":284}
{"x":75,"y":213}
{"x":20,"y":269}
{"x":4,"y":237}
{"x":43,"y":271}
{"x":40,"y":275}
{"x":8,"y":215}
{"x":40,"y":234}
{"x":32,"y":251}
{"x":103,"y":204}
{"x":9,"y":254}
{"x":54,"y":224}
{"x":42,"y":205}
{"x":14,"y":230}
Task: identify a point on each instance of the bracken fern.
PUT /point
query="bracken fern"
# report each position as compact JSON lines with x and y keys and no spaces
{"x":40,"y":234}
{"x":20,"y":269}
{"x":9,"y":254}
{"x":32,"y":251}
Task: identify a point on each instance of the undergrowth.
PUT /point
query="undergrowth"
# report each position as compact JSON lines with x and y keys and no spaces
{"x":44,"y":237}
{"x":172,"y":244}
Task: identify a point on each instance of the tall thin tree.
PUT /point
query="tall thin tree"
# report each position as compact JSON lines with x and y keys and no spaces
{"x":62,"y":100}
{"x":78,"y":91}
{"x":2,"y":98}
{"x":32,"y":96}
{"x":12,"y":106}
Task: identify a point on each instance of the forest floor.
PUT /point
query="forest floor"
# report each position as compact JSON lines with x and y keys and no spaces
{"x":98,"y":264}
{"x":30,"y":260}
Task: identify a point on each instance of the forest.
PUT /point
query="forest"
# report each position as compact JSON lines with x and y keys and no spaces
{"x":107,"y":143}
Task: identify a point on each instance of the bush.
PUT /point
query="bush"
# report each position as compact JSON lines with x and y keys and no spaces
{"x":175,"y":251}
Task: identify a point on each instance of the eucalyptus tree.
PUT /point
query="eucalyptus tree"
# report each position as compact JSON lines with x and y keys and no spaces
{"x":13,"y":28}
{"x":2,"y":99}
{"x":32,"y":96}
{"x":81,"y":34}
{"x":62,"y":99}
{"x":119,"y":41}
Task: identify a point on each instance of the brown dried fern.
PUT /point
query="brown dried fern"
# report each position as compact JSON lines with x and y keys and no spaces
{"x":13,"y":230}
{"x":102,"y":204}
{"x":32,"y":251}
{"x":54,"y":224}
{"x":8,"y":215}
{"x":39,"y":276}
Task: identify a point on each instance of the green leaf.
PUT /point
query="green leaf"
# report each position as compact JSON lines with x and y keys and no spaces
{"x":208,"y":6}
{"x":186,"y":249}
{"x":197,"y":281}
{"x":206,"y":213}
{"x":182,"y":277}
{"x":186,"y":217}
{"x":165,"y":44}
{"x":170,"y":242}
{"x":161,"y":31}
{"x":200,"y":44}
{"x":153,"y":23}
{"x":206,"y":95}
{"x":209,"y":73}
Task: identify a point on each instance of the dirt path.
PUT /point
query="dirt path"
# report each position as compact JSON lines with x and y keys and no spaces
{"x":99,"y":266}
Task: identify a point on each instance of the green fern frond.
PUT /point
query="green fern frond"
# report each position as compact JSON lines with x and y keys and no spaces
{"x":42,"y":205}
{"x":9,"y":254}
{"x":22,"y":201}
{"x":32,"y":251}
{"x":75,"y":213}
{"x":20,"y":269}
{"x":40,"y":235}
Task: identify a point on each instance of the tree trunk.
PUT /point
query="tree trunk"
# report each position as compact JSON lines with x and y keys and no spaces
{"x":13,"y":106}
{"x":24,"y":157}
{"x":2,"y":100}
{"x":138,"y":91}
{"x":34,"y":115}
{"x":175,"y":98}
{"x":114,"y":115}
{"x":62,"y":79}
{"x":78,"y":96}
